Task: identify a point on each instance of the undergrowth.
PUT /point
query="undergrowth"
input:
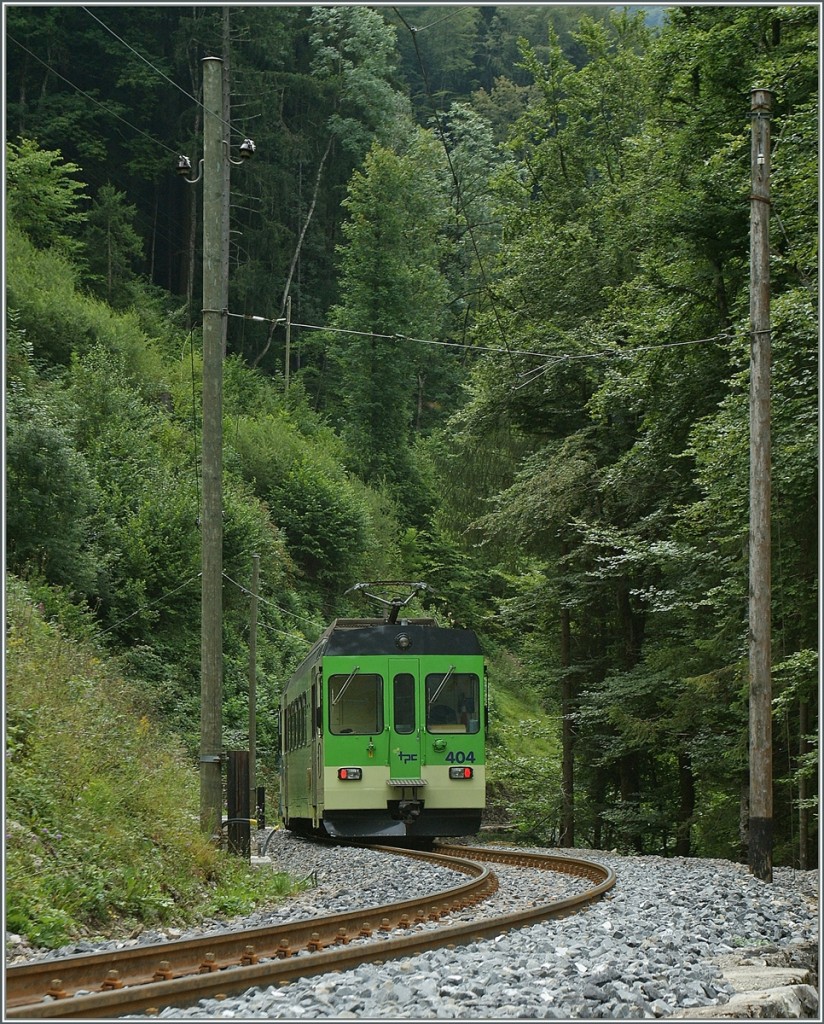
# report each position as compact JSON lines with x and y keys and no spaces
{"x":523,"y":759}
{"x":102,"y":826}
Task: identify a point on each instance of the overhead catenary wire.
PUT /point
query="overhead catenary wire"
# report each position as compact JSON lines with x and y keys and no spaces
{"x":86,"y":171}
{"x":506,"y":349}
{"x":176,"y":590}
{"x":432,"y":24}
{"x":391,"y":337}
{"x":157,"y":70}
{"x":151,"y":604}
{"x":615,"y":353}
{"x":280,"y":632}
{"x":82,"y":92}
{"x":555,"y":357}
{"x":263,"y":600}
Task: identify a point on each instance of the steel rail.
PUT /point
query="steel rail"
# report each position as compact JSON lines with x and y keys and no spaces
{"x":217,"y":979}
{"x":577,"y":866}
{"x":27,"y":984}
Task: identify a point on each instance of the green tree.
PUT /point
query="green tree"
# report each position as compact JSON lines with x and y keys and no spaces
{"x":624,"y":230}
{"x":353,"y":57}
{"x":113,"y":247}
{"x":391,"y":286}
{"x":42,"y":197}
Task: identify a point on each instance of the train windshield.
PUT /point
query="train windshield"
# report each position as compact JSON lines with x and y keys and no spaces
{"x":356,"y":704}
{"x":452,"y":702}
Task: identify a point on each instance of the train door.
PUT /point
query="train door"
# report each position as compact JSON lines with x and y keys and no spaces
{"x":316,"y":733}
{"x":283,"y":791}
{"x":405,"y":745}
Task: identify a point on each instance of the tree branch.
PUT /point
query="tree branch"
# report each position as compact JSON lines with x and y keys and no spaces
{"x":296,"y":254}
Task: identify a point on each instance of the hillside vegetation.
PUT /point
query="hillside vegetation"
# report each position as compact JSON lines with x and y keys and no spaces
{"x":516,"y":250}
{"x":101,"y":802}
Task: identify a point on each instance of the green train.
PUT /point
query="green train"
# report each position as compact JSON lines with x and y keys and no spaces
{"x":382,"y":728}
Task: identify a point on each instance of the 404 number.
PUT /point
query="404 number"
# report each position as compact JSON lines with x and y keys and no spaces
{"x":460,"y":757}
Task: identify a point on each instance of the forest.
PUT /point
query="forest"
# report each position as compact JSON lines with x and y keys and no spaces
{"x":513,"y":242}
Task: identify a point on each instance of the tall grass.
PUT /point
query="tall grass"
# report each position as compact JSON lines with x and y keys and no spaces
{"x":102,"y":825}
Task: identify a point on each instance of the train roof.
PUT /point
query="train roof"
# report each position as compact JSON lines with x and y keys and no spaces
{"x":377,"y":636}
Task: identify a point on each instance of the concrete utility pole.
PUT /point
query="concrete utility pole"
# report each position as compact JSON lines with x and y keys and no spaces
{"x":253,"y":621}
{"x":761,"y":781}
{"x":226,"y":170}
{"x":287,"y":355}
{"x":214,"y":331}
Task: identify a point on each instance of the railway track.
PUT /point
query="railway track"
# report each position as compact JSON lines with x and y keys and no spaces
{"x":146,"y":978}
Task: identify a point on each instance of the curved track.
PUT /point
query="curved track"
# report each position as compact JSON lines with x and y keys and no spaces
{"x":145,"y":978}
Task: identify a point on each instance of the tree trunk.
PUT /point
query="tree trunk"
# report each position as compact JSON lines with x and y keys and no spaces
{"x":630,"y":787}
{"x":109,"y":261}
{"x":744,"y":818}
{"x":632,"y":627}
{"x":803,"y":813}
{"x":567,"y":739}
{"x":686,"y":785}
{"x":599,"y":794}
{"x":153,"y":242}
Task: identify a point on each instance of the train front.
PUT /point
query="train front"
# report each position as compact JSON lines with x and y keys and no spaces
{"x":404,"y":719}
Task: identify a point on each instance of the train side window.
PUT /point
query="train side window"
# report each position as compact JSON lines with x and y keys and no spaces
{"x":296,"y":731}
{"x":452,"y":702}
{"x":403,"y":702}
{"x":355,"y":704}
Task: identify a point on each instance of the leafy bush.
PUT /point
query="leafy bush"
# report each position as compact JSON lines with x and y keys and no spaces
{"x":308,"y":494}
{"x":42,"y":285}
{"x":523,"y":759}
{"x":51,"y":494}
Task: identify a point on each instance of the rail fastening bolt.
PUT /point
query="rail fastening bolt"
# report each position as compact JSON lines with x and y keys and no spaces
{"x":209,"y":964}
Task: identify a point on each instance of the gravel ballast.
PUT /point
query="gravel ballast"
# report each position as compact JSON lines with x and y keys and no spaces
{"x":650,"y":948}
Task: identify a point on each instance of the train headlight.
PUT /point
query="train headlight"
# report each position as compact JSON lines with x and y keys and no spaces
{"x":460,"y":773}
{"x":350,"y":774}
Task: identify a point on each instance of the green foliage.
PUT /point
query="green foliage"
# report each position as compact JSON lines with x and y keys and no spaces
{"x":113,"y":246}
{"x":54,"y":316}
{"x":609,"y":481}
{"x":101,"y":808}
{"x":584,"y":505}
{"x":42,"y":199}
{"x":523,"y":770}
{"x":61,"y":321}
{"x":391,"y":284}
{"x":353,"y":57}
{"x":51,"y":495}
{"x":308,"y":496}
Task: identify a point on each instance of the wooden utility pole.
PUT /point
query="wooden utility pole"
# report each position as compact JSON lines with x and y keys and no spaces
{"x":237,"y":801}
{"x":214,"y":329}
{"x":253,"y":617}
{"x":760,"y":548}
